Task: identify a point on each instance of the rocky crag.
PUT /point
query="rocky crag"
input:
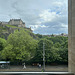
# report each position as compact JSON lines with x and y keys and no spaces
{"x":7,"y":28}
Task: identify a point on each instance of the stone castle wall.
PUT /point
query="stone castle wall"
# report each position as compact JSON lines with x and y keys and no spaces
{"x":15,"y":22}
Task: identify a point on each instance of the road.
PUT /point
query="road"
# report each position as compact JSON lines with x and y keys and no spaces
{"x":48,"y":68}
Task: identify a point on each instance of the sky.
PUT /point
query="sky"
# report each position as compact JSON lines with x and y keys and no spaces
{"x":43,"y":16}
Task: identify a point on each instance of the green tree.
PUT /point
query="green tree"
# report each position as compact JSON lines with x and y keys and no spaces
{"x":51,"y":53}
{"x":64,"y":51}
{"x":56,"y":49}
{"x":21,"y":46}
{"x":57,"y":45}
{"x":39,"y":35}
{"x":3,"y":43}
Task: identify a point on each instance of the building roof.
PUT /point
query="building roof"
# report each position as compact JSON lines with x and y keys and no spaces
{"x":16,"y":19}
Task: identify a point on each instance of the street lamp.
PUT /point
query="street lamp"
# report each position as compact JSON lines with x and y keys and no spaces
{"x":43,"y":56}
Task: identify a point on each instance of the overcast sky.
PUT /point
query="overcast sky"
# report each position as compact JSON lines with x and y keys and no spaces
{"x":43,"y":16}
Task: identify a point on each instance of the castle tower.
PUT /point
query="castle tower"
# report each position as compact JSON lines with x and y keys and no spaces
{"x":16,"y":22}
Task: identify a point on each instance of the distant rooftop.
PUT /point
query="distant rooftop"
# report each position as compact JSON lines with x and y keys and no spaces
{"x":16,"y":19}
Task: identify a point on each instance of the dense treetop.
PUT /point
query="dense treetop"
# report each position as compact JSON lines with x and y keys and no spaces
{"x":23,"y":45}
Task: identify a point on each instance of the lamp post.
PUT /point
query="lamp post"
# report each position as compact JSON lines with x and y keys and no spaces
{"x":43,"y":57}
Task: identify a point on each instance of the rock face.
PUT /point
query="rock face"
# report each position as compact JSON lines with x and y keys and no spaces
{"x":7,"y":28}
{"x":71,"y":34}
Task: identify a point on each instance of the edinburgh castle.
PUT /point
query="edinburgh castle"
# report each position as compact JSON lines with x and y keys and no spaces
{"x":9,"y":27}
{"x":15,"y":22}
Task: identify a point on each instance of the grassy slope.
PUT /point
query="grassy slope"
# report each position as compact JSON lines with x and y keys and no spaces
{"x":11,"y":26}
{"x":4,"y":30}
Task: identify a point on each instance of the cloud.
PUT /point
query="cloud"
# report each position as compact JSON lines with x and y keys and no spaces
{"x":50,"y":30}
{"x":35,"y":27}
{"x":43,"y":16}
{"x":57,"y":21}
{"x":48,"y":16}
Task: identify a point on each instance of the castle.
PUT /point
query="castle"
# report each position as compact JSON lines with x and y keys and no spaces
{"x":14,"y":22}
{"x":7,"y":28}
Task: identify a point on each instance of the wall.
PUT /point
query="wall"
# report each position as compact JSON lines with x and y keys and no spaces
{"x":71,"y":34}
{"x":14,"y":22}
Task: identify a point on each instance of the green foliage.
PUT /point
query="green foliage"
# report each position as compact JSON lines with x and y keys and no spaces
{"x":64,"y":51}
{"x":12,"y":26}
{"x":2,"y":43}
{"x":21,"y":46}
{"x":2,"y":29}
{"x":39,"y":35}
{"x":2,"y":46}
{"x":49,"y":51}
{"x":56,"y":50}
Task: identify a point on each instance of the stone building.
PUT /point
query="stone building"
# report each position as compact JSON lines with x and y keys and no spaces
{"x":16,"y":22}
{"x":4,"y":23}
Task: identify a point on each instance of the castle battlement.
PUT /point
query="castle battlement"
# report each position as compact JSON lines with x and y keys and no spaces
{"x":15,"y":22}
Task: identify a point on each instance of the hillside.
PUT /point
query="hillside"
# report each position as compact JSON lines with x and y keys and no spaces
{"x":5,"y":30}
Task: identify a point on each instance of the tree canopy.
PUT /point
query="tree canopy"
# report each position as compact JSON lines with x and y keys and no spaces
{"x":20,"y":46}
{"x":23,"y":46}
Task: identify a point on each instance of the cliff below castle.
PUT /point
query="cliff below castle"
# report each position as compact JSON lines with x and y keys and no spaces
{"x":7,"y":28}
